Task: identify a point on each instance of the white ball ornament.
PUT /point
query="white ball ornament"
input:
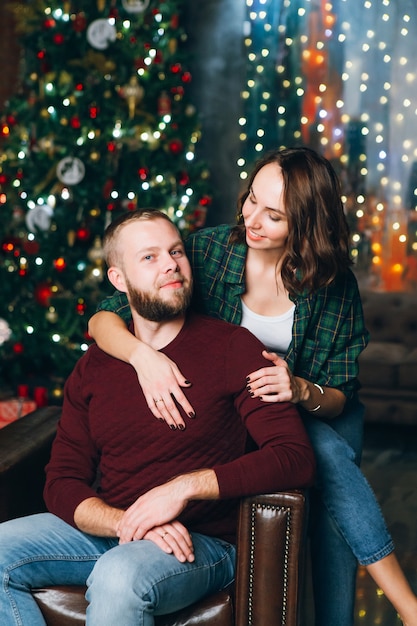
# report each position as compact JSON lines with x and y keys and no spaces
{"x":70,"y":171}
{"x":135,"y":6}
{"x":101,"y":33}
{"x":5,"y":331}
{"x":39,"y":218}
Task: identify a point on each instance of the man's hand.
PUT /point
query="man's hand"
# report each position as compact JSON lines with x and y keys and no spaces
{"x":164,"y":503}
{"x":173,"y":538}
{"x":155,"y":508}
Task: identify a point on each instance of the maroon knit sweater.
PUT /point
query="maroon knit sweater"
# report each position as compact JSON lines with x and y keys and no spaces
{"x":107,"y":429}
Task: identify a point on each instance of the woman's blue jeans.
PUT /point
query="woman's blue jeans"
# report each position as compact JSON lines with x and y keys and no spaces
{"x":127,"y":584}
{"x":346,"y":523}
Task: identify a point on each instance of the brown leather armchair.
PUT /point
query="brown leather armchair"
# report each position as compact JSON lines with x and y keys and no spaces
{"x":271,"y":542}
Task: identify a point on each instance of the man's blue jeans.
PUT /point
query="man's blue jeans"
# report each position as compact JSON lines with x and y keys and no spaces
{"x":127,"y":584}
{"x":346,"y":521}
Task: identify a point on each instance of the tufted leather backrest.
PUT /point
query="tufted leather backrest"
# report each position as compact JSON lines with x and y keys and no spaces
{"x":391,"y":316}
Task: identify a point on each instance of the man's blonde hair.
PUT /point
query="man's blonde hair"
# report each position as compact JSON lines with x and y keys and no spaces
{"x":111,"y":251}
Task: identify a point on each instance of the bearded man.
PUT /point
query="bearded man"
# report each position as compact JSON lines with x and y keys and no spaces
{"x":143,"y":515}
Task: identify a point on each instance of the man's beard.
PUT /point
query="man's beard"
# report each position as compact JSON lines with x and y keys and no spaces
{"x":154,"y":308}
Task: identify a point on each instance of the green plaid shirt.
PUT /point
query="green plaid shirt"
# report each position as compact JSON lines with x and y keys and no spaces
{"x":328,"y":331}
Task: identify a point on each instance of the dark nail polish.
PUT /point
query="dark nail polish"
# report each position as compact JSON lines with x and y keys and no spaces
{"x":161,"y":419}
{"x":181,"y":426}
{"x":248,"y":387}
{"x":173,"y":427}
{"x":187,"y":382}
{"x":247,"y":379}
{"x":191,"y":414}
{"x":252,"y":394}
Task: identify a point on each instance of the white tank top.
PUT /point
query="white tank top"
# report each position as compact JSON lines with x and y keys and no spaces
{"x":274,"y":332}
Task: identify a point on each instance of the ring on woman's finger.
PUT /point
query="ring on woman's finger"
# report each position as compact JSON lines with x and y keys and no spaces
{"x":165,"y":533}
{"x":160,"y":400}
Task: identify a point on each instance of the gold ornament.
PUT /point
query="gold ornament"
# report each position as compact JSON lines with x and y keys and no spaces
{"x":101,"y":5}
{"x":133,"y":94}
{"x":95,"y":254}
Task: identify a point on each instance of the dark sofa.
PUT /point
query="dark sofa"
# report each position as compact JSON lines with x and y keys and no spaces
{"x":271,"y":540}
{"x":388,"y":366}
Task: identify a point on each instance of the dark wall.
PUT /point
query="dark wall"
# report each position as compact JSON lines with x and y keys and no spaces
{"x":215,"y":30}
{"x":9,"y":54}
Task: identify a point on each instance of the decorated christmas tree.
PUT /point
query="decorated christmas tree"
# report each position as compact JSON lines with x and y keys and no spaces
{"x":102,"y":124}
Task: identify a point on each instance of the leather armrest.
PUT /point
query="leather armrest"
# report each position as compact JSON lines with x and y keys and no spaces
{"x":271,"y":549}
{"x":25,"y":447}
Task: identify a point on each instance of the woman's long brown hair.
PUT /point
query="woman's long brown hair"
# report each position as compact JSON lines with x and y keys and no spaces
{"x":318,"y":238}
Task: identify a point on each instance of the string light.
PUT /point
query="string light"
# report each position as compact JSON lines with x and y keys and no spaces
{"x":340,"y":77}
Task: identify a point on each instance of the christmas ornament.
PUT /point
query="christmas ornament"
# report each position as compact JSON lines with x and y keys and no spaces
{"x":70,"y":170}
{"x":43,"y":293}
{"x":79,"y":22}
{"x":135,"y":6}
{"x":101,"y":33}
{"x":39,"y":218}
{"x":133,"y":94}
{"x":175,"y":146}
{"x":81,"y":306}
{"x":5,"y":331}
{"x":164,"y":104}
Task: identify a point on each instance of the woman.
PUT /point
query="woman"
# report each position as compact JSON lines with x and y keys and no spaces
{"x":283,"y":272}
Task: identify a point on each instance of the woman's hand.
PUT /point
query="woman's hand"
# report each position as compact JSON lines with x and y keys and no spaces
{"x":278,"y":384}
{"x":161,"y":383}
{"x":159,"y":377}
{"x":274,"y":384}
{"x":173,"y":538}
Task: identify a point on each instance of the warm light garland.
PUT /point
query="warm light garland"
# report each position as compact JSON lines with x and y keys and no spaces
{"x":338,"y":75}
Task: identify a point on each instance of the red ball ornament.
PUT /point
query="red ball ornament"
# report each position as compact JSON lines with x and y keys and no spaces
{"x":75,"y":122}
{"x":31,"y":247}
{"x":176,"y":68}
{"x":18,"y":348}
{"x":178,"y":90}
{"x":158,"y":58}
{"x":174,"y":21}
{"x":83,"y":234}
{"x":176,"y":146}
{"x":49,"y":23}
{"x":11,"y":120}
{"x":3,"y":179}
{"x":183,"y":178}
{"x":111,"y":146}
{"x":143,"y":173}
{"x":43,"y":293}
{"x":58,"y":39}
{"x":93,"y":111}
{"x":140,"y":64}
{"x":205,"y":201}
{"x":81,"y":307}
{"x":79,"y":87}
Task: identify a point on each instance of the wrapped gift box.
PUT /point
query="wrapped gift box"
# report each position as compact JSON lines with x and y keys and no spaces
{"x":13,"y":408}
